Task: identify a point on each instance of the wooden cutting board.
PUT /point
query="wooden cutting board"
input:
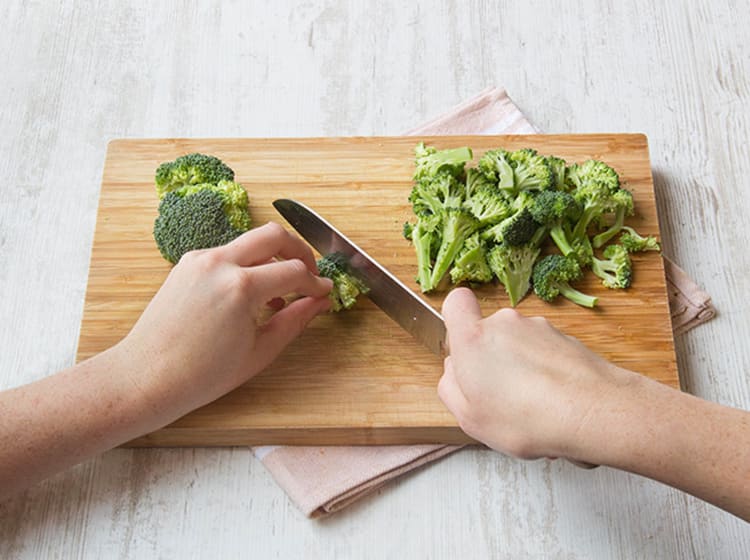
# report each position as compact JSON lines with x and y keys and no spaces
{"x":355,"y":377}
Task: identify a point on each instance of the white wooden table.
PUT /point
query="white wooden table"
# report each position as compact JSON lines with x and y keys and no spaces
{"x":75,"y":76}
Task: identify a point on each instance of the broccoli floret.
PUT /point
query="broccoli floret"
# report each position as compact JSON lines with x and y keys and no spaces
{"x":530,"y":170}
{"x":552,"y":276}
{"x":556,"y":210}
{"x":487,"y":205}
{"x":457,"y":225}
{"x":471,"y":263}
{"x":513,"y":266}
{"x":558,"y":167}
{"x":515,"y":230}
{"x":191,"y":169}
{"x":622,"y":201}
{"x":616,"y":270}
{"x":595,"y":199}
{"x":200,"y":217}
{"x":430,"y":161}
{"x":592,"y":171}
{"x":425,"y":235}
{"x":583,"y":252}
{"x":494,"y":165}
{"x":346,"y":286}
{"x":436,"y":193}
{"x":635,"y":242}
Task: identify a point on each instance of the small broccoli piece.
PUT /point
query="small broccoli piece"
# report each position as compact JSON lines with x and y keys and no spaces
{"x":425,"y":236}
{"x":346,"y":286}
{"x":622,"y":202}
{"x":515,"y":230}
{"x":471,"y":263}
{"x":434,"y":194}
{"x":596,"y":199}
{"x":430,"y":161}
{"x":616,"y":270}
{"x":457,"y":225}
{"x":583,"y":252}
{"x":592,"y":171}
{"x":513,"y":267}
{"x":494,"y":165}
{"x":558,"y":167}
{"x":635,"y":242}
{"x":556,"y":210}
{"x":530,"y":170}
{"x":191,"y":169}
{"x":487,"y":205}
{"x":200,"y":217}
{"x":552,"y":276}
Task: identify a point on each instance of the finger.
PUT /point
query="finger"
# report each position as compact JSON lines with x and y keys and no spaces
{"x":286,"y":325}
{"x":285,"y":277}
{"x":461,"y":313}
{"x":277,"y":303}
{"x":261,"y":244}
{"x":450,"y":392}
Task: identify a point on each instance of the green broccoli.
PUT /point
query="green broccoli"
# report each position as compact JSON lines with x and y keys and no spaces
{"x":530,"y":170}
{"x":616,"y":270}
{"x":199,"y":217}
{"x":494,"y":165}
{"x":592,"y":171}
{"x":622,"y":202}
{"x":556,"y":210}
{"x":596,"y":199}
{"x":191,"y":169}
{"x":518,"y":228}
{"x":558,"y":167}
{"x":425,"y":236}
{"x":487,"y":205}
{"x":457,"y":225}
{"x":471,"y":263}
{"x":552,"y":276}
{"x":513,"y":266}
{"x":346,"y":286}
{"x":430,"y":161}
{"x":635,"y":242}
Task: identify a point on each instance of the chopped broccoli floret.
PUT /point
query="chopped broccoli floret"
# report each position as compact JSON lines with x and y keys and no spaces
{"x":457,"y":225}
{"x":346,"y":285}
{"x":191,"y":169}
{"x":430,"y":161}
{"x":513,"y":266}
{"x":471,"y":263}
{"x":616,"y":270}
{"x":425,"y":235}
{"x":592,"y":171}
{"x":487,"y":205}
{"x":552,"y":276}
{"x":200,"y":217}
{"x":530,"y":170}
{"x":622,"y":202}
{"x":494,"y":165}
{"x":558,"y":167}
{"x":635,"y":242}
{"x":514,"y":230}
{"x":556,"y":210}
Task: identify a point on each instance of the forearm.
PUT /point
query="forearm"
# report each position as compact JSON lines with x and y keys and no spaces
{"x":66,"y":418}
{"x":697,"y":446}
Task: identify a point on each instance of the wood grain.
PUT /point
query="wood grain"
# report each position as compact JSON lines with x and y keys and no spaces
{"x":356,"y":377}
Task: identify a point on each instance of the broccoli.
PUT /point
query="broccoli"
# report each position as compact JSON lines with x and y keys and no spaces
{"x":552,"y":276}
{"x":558,"y":167}
{"x":471,"y":263}
{"x":433,"y":194}
{"x":616,"y":270}
{"x":199,"y":217}
{"x":457,"y":225}
{"x":513,"y":266}
{"x":191,"y":169}
{"x":518,"y":228}
{"x":596,"y":199}
{"x":556,"y":210}
{"x":635,"y":242}
{"x":346,"y":286}
{"x":592,"y":171}
{"x":530,"y":170}
{"x":494,"y":166}
{"x":431,"y":161}
{"x":622,"y":201}
{"x":487,"y":205}
{"x":425,"y":235}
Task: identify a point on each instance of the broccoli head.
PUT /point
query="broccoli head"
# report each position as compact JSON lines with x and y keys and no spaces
{"x":515,"y":230}
{"x":191,"y":169}
{"x":513,"y":266}
{"x":558,"y":167}
{"x":635,"y":242}
{"x":616,"y":270}
{"x":430,"y":161}
{"x":552,"y":276}
{"x":530,"y":170}
{"x":487,"y":205}
{"x":556,"y":210}
{"x":200,"y":217}
{"x":622,"y":205}
{"x":346,"y":285}
{"x":494,"y":165}
{"x":592,"y":171}
{"x":457,"y":225}
{"x":471,"y":263}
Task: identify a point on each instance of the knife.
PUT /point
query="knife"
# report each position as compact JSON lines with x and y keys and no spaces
{"x":400,"y":303}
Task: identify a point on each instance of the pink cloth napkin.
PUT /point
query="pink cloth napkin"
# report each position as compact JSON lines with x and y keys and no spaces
{"x":322,"y":480}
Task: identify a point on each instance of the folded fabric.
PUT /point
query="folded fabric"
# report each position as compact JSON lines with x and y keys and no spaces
{"x":322,"y":480}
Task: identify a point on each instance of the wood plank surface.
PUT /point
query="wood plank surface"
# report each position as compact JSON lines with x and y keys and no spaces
{"x":355,"y":377}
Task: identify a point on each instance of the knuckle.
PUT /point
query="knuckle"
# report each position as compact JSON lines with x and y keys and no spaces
{"x":275,"y":229}
{"x":296,"y":267}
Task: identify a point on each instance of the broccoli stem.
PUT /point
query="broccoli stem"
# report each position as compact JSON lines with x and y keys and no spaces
{"x":583,"y":223}
{"x":561,"y":240}
{"x":422,"y":244}
{"x":445,"y":257}
{"x":600,"y":239}
{"x":577,"y":297}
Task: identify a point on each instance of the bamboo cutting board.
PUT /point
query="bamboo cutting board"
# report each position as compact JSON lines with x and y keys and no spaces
{"x":355,"y":377}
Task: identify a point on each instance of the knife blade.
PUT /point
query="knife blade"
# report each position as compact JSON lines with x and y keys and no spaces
{"x":399,"y":302}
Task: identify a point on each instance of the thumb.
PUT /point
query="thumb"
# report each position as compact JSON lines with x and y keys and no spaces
{"x":285,"y":326}
{"x":462,"y":315}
